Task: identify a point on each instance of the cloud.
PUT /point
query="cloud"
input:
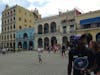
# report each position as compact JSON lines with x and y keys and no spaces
{"x":88,"y":5}
{"x":39,"y":4}
{"x":52,"y":7}
{"x":23,"y":3}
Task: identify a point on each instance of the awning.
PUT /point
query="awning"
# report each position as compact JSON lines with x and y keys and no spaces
{"x":90,"y":20}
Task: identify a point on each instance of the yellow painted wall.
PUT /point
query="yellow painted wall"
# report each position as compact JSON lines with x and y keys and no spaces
{"x":93,"y":32}
{"x":91,"y":14}
{"x":24,"y":14}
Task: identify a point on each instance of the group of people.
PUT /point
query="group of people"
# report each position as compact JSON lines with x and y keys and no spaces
{"x":84,"y":58}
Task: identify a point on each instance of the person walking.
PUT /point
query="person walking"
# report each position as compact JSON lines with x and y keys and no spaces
{"x":40,"y":50}
{"x":80,"y":58}
{"x":63,"y":50}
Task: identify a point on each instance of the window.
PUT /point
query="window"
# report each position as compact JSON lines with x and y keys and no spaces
{"x":2,"y":37}
{"x":29,"y":26}
{"x":13,"y":35}
{"x":8,"y":27}
{"x":2,"y":29}
{"x":5,"y":28}
{"x":14,"y":18}
{"x":5,"y":21}
{"x":11,"y":19}
{"x":5,"y":14}
{"x":64,"y":29}
{"x":11,"y":11}
{"x":98,"y":24}
{"x":14,"y":10}
{"x":87,"y":26}
{"x":71,"y":20}
{"x":14,"y":26}
{"x":20,"y":27}
{"x":71,"y":28}
{"x":8,"y":20}
{"x":25,"y":20}
{"x":8,"y":13}
{"x":7,"y":36}
{"x":63,"y":21}
{"x":19,"y":18}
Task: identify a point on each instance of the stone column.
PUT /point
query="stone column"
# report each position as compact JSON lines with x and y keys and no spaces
{"x":36,"y":43}
{"x":59,"y":39}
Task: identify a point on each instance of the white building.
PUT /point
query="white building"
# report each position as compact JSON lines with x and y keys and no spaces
{"x":56,"y":29}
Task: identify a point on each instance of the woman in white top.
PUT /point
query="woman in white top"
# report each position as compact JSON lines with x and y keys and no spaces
{"x":40,"y":50}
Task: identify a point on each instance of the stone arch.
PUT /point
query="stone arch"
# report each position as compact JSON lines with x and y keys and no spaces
{"x":53,"y":41}
{"x":46,"y":43}
{"x":98,"y":36}
{"x":40,"y":29}
{"x":40,"y":42}
{"x":25,"y":45}
{"x":31,"y":45}
{"x":19,"y":45}
{"x":25,"y":35}
{"x":46,"y":28}
{"x":53,"y":27}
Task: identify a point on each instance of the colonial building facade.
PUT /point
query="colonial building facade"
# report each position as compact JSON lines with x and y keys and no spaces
{"x":56,"y":29}
{"x":89,"y":24}
{"x":25,"y":39}
{"x":14,"y":19}
{"x":26,"y":29}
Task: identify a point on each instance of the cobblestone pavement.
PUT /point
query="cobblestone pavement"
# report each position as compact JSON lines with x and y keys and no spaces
{"x":26,"y":63}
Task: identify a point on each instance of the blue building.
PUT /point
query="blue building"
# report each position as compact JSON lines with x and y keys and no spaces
{"x":25,"y":39}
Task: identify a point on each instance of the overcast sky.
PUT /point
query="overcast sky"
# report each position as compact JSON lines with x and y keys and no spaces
{"x":52,"y":7}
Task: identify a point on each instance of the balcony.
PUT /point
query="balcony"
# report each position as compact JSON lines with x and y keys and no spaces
{"x":90,"y":26}
{"x":21,"y":39}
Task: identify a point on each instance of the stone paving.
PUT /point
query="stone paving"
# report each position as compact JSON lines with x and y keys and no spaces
{"x":26,"y":63}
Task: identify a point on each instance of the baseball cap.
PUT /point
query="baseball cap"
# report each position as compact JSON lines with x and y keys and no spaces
{"x":79,"y":37}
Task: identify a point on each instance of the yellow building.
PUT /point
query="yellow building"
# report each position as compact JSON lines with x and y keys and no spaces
{"x":89,"y":24}
{"x":13,"y":19}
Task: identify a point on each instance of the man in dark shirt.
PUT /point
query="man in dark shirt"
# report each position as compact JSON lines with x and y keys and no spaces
{"x":98,"y":58}
{"x":80,"y":59}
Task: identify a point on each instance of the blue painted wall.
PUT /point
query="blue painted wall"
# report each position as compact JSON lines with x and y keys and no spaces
{"x":20,"y":38}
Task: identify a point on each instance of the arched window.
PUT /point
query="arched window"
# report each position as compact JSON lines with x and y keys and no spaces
{"x":46,"y":28}
{"x":46,"y":43}
{"x":40,"y":42}
{"x":53,"y":27}
{"x":98,"y":37}
{"x":53,"y":41}
{"x":40,"y":29}
{"x":25,"y":35}
{"x":25,"y":45}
